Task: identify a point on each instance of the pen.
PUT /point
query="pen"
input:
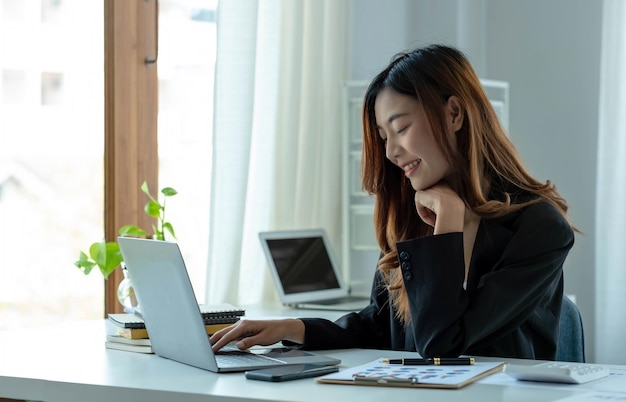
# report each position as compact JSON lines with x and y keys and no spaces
{"x":435,"y":361}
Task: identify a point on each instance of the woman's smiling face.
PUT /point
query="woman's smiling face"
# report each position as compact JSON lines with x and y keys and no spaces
{"x":409,"y":140}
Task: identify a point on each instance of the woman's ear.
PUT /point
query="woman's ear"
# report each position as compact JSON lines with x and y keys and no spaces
{"x":455,"y":113}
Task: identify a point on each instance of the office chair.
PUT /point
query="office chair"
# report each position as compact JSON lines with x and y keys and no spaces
{"x":571,"y":342}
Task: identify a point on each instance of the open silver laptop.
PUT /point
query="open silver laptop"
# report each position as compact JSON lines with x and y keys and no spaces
{"x":305,"y":273}
{"x":172,"y":316}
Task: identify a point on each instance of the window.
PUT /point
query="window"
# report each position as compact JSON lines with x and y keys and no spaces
{"x":52,"y":149}
{"x":51,"y":130}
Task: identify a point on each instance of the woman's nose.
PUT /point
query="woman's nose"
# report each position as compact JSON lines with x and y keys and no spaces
{"x":391,"y":149}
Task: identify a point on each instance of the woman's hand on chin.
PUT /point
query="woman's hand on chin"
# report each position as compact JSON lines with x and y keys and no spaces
{"x":440,"y":207}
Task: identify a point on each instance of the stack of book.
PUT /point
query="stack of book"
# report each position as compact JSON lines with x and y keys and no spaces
{"x":131,"y":334}
{"x":118,"y":342}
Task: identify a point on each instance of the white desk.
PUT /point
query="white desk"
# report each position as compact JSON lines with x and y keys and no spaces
{"x":64,"y":365}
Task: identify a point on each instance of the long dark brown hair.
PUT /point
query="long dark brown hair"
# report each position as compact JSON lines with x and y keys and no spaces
{"x":487,"y":167}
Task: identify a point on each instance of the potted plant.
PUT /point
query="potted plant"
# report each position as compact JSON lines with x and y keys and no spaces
{"x":107,"y":255}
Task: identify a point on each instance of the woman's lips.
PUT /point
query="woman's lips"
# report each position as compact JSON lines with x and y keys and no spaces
{"x":411,"y":167}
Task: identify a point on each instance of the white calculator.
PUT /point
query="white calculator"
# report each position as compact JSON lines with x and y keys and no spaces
{"x":561,"y":372}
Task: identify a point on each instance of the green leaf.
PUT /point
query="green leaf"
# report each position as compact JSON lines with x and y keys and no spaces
{"x":168,"y":191}
{"x":107,"y":256}
{"x":144,"y":187}
{"x":113,"y":259}
{"x":146,"y":190}
{"x":84,"y":263}
{"x":132,"y":231}
{"x":97,"y":252}
{"x":82,"y":259}
{"x":153,"y":208}
{"x":168,"y":226}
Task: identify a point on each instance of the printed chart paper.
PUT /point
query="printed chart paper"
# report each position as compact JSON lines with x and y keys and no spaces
{"x":435,"y":376}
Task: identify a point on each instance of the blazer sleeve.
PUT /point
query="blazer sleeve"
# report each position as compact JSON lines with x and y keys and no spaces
{"x":524,"y":271}
{"x":368,"y":328}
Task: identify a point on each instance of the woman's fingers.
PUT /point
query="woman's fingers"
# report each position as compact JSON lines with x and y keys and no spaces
{"x":440,"y":207}
{"x":248,"y":333}
{"x":427,"y":204}
{"x":427,"y":214}
{"x":220,"y":338}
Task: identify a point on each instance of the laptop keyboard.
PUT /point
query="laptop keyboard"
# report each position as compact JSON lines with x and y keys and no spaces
{"x":239,"y":359}
{"x":341,"y":300}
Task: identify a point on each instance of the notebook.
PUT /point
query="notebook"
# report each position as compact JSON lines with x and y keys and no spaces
{"x":305,"y":273}
{"x":172,"y":316}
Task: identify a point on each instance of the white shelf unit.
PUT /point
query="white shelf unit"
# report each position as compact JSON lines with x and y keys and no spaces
{"x":359,"y":249}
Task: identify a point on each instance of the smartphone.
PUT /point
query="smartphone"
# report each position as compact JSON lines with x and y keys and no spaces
{"x":290,"y":372}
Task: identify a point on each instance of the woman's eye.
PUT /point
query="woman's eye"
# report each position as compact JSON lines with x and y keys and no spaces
{"x":403,"y":129}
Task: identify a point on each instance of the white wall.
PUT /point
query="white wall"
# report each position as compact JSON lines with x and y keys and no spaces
{"x":554,"y":72}
{"x":549,"y":52}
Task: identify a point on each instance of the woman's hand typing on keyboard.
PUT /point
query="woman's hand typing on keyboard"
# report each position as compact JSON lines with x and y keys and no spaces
{"x":248,"y":333}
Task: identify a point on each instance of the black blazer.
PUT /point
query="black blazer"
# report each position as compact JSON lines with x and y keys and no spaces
{"x":511,"y":306}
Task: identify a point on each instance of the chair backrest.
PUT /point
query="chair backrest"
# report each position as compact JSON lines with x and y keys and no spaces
{"x":571,"y":344}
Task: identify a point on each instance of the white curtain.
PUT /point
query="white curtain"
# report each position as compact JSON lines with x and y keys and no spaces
{"x":277,"y":134}
{"x":611,"y":192}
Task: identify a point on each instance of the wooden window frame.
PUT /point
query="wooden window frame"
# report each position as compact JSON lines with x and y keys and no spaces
{"x":130,"y":124}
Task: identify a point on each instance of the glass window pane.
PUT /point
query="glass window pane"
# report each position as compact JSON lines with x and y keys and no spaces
{"x":187,"y":40}
{"x":14,"y":10}
{"x":13,"y":87}
{"x":51,"y":159}
{"x":51,"y":88}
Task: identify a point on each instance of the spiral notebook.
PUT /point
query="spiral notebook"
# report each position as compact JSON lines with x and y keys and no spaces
{"x":223,"y":313}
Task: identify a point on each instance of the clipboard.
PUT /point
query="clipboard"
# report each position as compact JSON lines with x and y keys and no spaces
{"x":380,"y":374}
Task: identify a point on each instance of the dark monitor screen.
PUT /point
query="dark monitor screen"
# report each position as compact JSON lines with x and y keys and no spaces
{"x":303,"y":264}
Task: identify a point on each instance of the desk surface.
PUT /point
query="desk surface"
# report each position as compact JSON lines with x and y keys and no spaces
{"x":72,"y":364}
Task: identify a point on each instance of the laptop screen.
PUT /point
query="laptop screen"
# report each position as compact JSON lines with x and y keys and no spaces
{"x":302,"y":264}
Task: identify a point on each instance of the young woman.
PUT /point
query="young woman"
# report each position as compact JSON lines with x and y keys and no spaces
{"x":472,"y":246}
